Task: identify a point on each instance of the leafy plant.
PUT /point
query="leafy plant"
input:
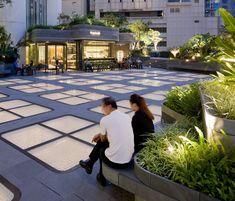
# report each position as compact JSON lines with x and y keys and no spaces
{"x":221,"y":94}
{"x":86,"y":20}
{"x":197,"y":47}
{"x":176,"y":154}
{"x":138,"y":28}
{"x":226,"y":45}
{"x":8,"y":53}
{"x":114,"y":20}
{"x":185,"y":100}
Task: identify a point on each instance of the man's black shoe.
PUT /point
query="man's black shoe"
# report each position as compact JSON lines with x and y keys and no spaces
{"x":85,"y":164}
{"x":101,"y":179}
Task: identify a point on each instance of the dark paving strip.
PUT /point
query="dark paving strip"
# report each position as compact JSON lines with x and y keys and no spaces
{"x":11,"y":187}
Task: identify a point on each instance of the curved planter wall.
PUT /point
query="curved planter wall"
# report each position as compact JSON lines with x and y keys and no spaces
{"x":169,"y":115}
{"x":214,"y":124}
{"x":165,"y":186}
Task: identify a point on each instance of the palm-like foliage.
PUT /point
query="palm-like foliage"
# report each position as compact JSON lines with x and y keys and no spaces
{"x":226,"y":45}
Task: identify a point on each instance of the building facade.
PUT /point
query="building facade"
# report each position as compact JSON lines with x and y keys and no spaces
{"x":72,"y":46}
{"x":176,"y":20}
{"x":20,"y":15}
{"x":75,"y":7}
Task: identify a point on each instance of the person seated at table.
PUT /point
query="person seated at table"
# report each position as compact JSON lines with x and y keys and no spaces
{"x":139,"y":63}
{"x":18,"y":68}
{"x":142,"y":121}
{"x":88,"y":66}
{"x":115,"y":142}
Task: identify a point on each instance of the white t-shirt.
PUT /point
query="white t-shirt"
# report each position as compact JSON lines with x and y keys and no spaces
{"x":117,"y":126}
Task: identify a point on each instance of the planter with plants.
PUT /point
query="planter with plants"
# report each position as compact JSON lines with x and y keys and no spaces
{"x":181,"y":101}
{"x":218,"y":96}
{"x":180,"y":163}
{"x":218,"y":106}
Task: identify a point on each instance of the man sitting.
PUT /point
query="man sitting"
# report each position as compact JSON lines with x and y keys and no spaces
{"x":114,"y":144}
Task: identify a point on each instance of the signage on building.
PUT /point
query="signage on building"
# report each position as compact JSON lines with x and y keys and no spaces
{"x":95,"y":33}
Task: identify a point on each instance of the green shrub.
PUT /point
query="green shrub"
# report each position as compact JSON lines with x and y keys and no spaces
{"x":185,"y":100}
{"x":221,"y":94}
{"x":176,"y":154}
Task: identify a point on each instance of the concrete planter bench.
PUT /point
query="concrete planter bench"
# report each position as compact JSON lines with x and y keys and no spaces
{"x":126,"y":179}
{"x":169,"y":115}
{"x":167,"y":187}
{"x":214,"y":124}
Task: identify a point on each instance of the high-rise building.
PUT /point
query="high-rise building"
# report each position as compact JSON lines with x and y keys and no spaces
{"x":176,"y":20}
{"x":18,"y":16}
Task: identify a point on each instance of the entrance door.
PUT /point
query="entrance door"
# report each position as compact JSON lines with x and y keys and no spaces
{"x":56,"y":52}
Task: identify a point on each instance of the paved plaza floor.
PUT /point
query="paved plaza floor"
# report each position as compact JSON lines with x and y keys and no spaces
{"x":47,"y":122}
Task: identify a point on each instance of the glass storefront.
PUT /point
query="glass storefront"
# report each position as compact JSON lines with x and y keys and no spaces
{"x":71,"y":55}
{"x":97,"y":49}
{"x":41,"y":54}
{"x":56,"y":52}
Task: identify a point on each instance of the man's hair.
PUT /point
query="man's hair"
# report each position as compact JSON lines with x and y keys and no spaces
{"x":109,"y":101}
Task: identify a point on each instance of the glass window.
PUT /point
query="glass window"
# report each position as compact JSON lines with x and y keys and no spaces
{"x":41,"y":54}
{"x":97,"y":49}
{"x":71,"y":55}
{"x":36,"y":12}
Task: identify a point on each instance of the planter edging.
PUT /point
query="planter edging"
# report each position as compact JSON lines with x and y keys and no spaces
{"x":214,"y":124}
{"x":168,"y":187}
{"x":169,"y":115}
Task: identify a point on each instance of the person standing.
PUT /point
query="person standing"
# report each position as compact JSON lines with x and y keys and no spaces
{"x":114,"y":144}
{"x":142,"y":121}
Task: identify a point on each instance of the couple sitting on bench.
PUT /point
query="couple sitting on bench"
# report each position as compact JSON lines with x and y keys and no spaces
{"x":119,"y":137}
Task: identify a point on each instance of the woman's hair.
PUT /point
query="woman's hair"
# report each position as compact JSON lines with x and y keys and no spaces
{"x":109,"y":101}
{"x":140,"y":102}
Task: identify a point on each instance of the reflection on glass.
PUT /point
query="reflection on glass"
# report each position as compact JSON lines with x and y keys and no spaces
{"x":71,"y":55}
{"x":60,"y":53}
{"x":41,"y":54}
{"x":51,"y":55}
{"x":55,"y":52}
{"x":96,"y":49}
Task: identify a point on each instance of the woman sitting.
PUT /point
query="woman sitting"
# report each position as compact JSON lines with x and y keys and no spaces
{"x":142,"y":121}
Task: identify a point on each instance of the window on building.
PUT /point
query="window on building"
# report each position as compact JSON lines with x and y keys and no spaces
{"x":196,"y":21}
{"x":162,"y":44}
{"x":160,"y":29}
{"x":174,"y":10}
{"x":36,"y":12}
{"x":196,"y":1}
